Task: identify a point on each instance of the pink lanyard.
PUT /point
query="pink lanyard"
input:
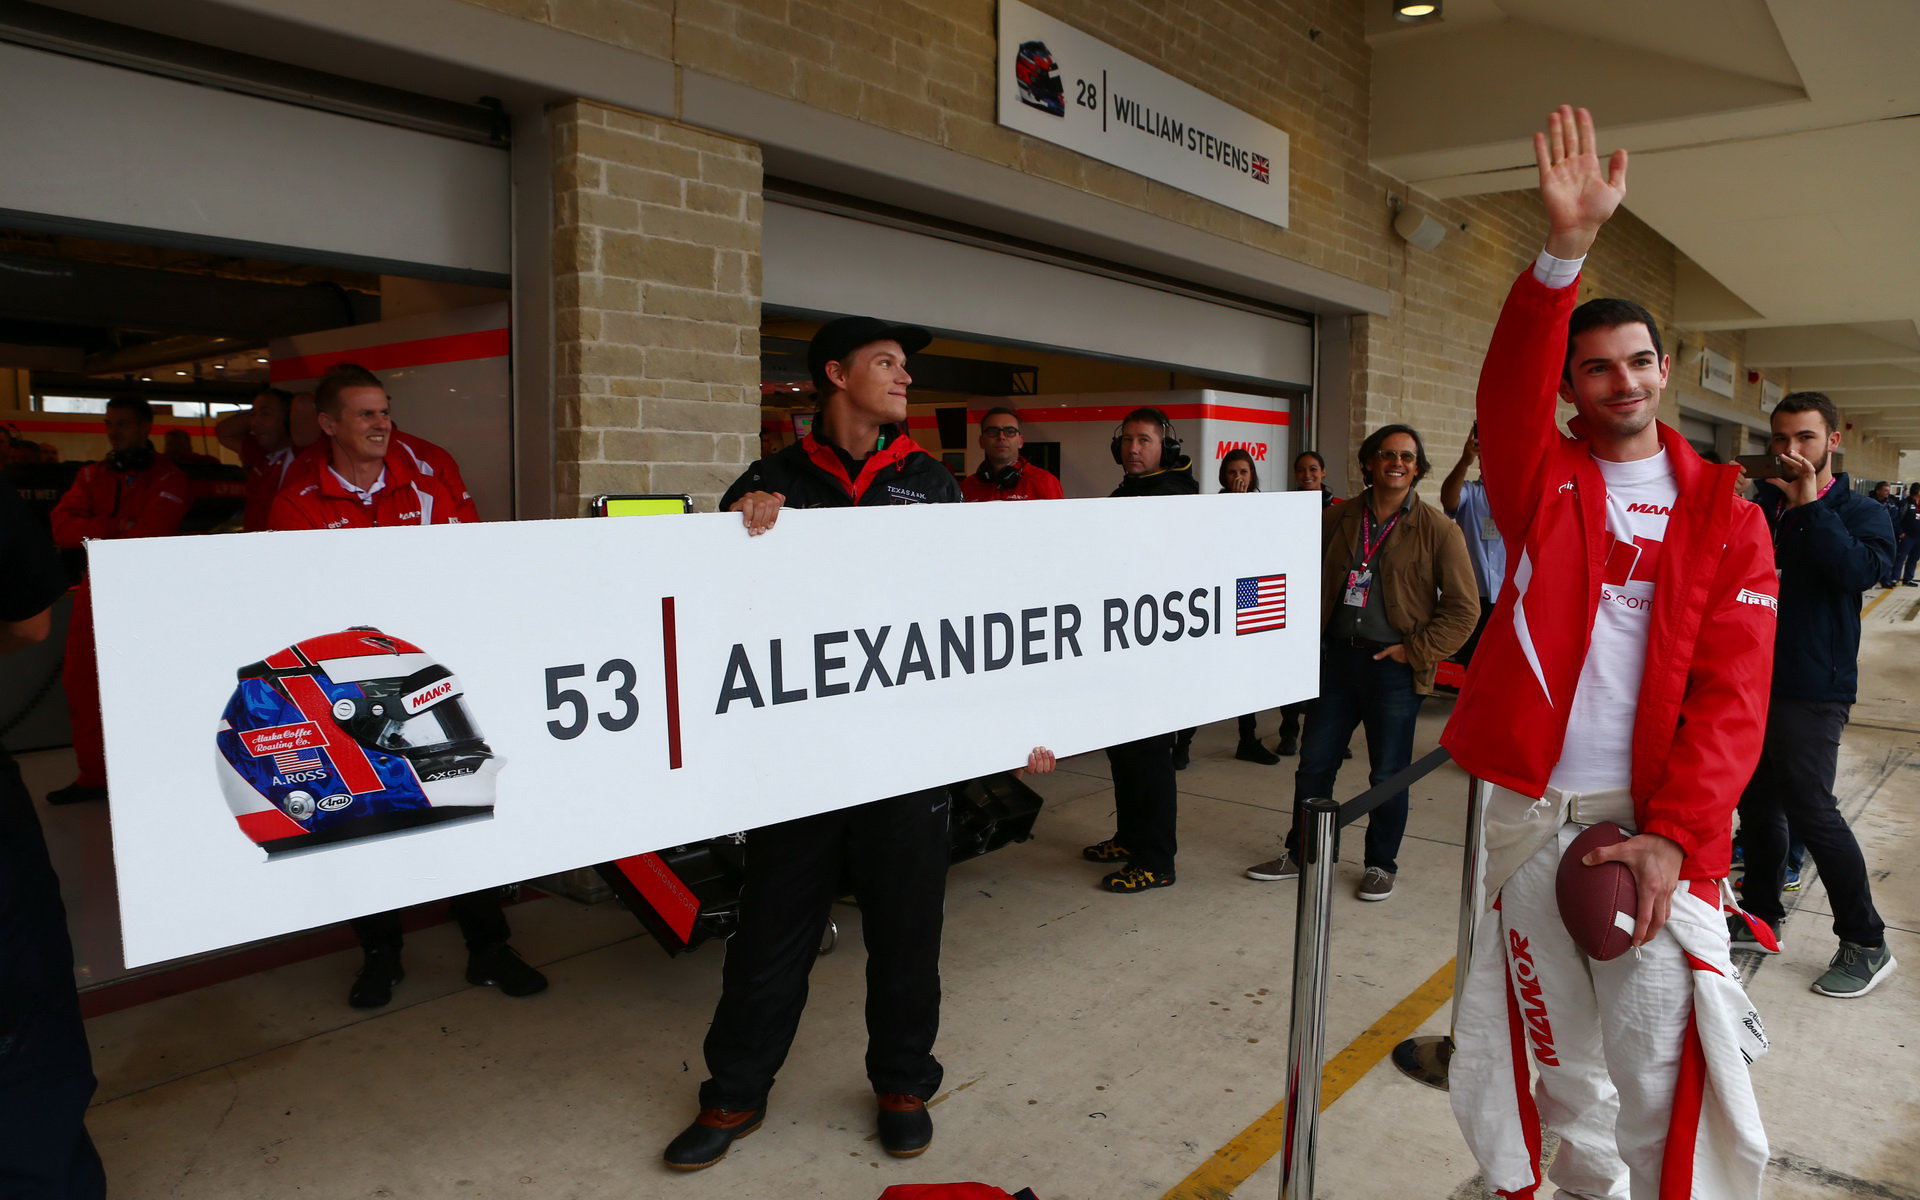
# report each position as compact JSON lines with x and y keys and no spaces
{"x":1370,"y":545}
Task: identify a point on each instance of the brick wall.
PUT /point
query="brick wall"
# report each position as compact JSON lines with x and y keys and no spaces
{"x":656,"y":306}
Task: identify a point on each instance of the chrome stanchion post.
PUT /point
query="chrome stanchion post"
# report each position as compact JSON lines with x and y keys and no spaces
{"x":1306,"y":1041}
{"x":1425,"y":1058}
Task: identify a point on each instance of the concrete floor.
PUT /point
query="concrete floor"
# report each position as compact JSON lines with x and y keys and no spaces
{"x":1095,"y":1045}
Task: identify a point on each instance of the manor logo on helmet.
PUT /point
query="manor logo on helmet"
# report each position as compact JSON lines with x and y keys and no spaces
{"x":431,"y":693}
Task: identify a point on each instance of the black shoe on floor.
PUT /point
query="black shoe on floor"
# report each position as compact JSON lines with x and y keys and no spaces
{"x":906,"y":1127}
{"x":1250,"y":750}
{"x":76,"y":793}
{"x":498,"y":966}
{"x":713,"y":1132}
{"x":1133,"y":879}
{"x":373,"y":986}
{"x":1109,"y":851}
{"x":1289,"y":745}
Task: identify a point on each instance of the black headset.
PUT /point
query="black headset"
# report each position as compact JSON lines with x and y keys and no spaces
{"x":1169,"y":440}
{"x":133,"y":458}
{"x":1006,"y":478}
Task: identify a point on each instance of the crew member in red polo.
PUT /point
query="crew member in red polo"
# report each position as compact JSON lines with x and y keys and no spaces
{"x":1004,"y":472}
{"x":425,"y":458}
{"x":263,"y":438}
{"x":359,"y":484}
{"x":131,"y":493}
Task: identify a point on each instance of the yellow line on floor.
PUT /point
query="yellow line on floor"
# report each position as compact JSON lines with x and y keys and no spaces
{"x":1235,"y":1162}
{"x":1874,"y":603}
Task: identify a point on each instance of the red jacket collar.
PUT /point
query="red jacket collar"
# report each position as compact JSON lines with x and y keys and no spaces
{"x":827,"y":458}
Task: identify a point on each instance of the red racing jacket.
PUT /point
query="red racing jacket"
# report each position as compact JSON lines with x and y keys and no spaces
{"x":105,"y":503}
{"x":314,"y":497}
{"x":1703,"y":699}
{"x":425,"y":457}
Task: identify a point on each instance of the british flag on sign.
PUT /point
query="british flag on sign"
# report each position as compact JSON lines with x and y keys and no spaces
{"x":1259,"y":604}
{"x":1262,"y":170}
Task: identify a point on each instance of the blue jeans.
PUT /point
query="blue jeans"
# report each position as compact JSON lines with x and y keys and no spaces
{"x":1355,"y":690}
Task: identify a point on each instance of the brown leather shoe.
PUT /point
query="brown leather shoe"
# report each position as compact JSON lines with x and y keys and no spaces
{"x":706,"y":1141}
{"x":906,"y":1127}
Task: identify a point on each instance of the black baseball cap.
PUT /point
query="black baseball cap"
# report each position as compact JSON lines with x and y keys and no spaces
{"x":843,"y":335}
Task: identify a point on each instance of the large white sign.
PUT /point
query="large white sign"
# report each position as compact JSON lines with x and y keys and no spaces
{"x":1716,"y":373}
{"x":385,"y":716}
{"x":1074,"y":90}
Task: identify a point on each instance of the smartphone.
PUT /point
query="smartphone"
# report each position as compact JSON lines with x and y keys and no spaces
{"x":1761,"y":466}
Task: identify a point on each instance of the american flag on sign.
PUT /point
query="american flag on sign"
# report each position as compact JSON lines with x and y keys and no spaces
{"x":1260,"y":604}
{"x":1262,"y":170}
{"x":296,"y":760}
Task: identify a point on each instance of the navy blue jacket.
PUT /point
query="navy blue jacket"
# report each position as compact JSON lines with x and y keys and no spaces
{"x":1828,"y":552}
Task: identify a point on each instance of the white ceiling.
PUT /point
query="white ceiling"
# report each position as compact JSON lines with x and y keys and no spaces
{"x":1776,"y":143}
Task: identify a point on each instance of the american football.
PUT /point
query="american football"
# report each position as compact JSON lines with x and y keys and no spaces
{"x":1597,"y":904}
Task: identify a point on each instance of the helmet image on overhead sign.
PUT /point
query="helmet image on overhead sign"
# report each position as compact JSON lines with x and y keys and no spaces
{"x":1039,"y":79}
{"x":347,"y":736}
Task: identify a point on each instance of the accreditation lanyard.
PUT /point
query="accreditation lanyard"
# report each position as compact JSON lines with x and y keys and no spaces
{"x":1360,"y":582}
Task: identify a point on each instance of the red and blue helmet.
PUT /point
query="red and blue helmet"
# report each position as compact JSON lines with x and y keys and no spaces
{"x":346,"y":736}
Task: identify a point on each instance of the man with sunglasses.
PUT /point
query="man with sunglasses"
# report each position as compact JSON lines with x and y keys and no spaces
{"x":1004,"y":472}
{"x":1398,"y":596}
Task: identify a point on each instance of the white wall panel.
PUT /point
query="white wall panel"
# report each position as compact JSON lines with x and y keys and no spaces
{"x":826,"y":263}
{"x":99,"y":143}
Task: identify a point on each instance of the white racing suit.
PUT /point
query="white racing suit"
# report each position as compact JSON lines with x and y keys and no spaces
{"x":1641,"y":1062}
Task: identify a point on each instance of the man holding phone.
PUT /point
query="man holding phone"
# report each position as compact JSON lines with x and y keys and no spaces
{"x":1830,"y":545}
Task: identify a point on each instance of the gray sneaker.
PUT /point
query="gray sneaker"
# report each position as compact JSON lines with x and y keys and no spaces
{"x":1376,"y":884}
{"x":1855,"y":970}
{"x":1275,"y":868}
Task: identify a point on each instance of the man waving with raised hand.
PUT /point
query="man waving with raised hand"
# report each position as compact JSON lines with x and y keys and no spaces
{"x":1622,"y":678}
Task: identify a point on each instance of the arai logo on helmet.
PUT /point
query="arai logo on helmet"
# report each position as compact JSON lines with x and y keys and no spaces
{"x":432,"y":693}
{"x":335,"y":802}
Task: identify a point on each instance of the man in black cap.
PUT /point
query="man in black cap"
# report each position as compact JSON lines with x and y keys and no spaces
{"x":893,"y":851}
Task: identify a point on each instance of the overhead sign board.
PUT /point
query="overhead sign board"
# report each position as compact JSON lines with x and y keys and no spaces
{"x":1074,"y":90}
{"x":1716,"y":373}
{"x":436,"y":710}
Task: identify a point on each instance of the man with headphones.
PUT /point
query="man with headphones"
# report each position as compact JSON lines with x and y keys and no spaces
{"x":1004,"y":473}
{"x":1144,"y":796}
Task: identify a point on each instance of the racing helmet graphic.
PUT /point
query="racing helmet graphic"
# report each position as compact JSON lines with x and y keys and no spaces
{"x":350,"y":735}
{"x":1038,"y":78}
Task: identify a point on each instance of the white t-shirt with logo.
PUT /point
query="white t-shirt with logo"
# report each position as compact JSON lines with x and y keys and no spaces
{"x":1598,"y":752}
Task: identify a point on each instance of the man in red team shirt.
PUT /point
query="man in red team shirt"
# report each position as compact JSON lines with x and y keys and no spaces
{"x":355,"y":479}
{"x":349,"y":479}
{"x":1004,"y":474}
{"x":263,"y":438}
{"x":130,"y":493}
{"x":1623,"y":677}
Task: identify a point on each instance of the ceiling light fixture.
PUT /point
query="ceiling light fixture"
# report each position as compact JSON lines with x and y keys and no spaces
{"x":1416,"y":10}
{"x":260,"y":360}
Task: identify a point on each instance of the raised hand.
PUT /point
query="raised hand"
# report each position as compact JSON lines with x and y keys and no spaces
{"x":1577,"y":193}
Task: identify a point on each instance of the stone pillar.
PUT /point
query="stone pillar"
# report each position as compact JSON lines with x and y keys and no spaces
{"x":656,"y":259}
{"x":656,"y":317}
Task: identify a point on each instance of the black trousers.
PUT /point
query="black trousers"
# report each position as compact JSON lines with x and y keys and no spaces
{"x":893,"y":853}
{"x":1146,"y":801}
{"x":1791,"y":796}
{"x":482,"y":922}
{"x":46,"y":1072}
